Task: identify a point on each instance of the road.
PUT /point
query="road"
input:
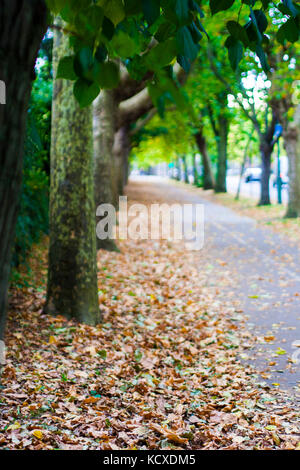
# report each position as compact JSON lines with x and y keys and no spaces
{"x":252,"y":189}
{"x":262,"y":272}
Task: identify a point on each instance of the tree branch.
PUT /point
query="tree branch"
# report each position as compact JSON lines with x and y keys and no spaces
{"x":249,"y":115}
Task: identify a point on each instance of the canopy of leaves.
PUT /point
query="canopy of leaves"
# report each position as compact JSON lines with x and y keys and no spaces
{"x":150,"y":35}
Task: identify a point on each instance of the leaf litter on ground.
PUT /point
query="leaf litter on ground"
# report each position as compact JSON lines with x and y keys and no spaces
{"x":161,"y":372}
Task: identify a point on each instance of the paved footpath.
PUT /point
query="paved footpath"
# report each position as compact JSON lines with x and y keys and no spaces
{"x":262,"y":270}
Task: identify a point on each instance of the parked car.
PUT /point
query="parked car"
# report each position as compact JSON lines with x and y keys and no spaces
{"x":252,"y":174}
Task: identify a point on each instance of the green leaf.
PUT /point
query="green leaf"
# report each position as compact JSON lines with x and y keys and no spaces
{"x":220,"y":5}
{"x":165,"y":30}
{"x":194,"y":30}
{"x":83,"y":62}
{"x":262,"y":57}
{"x":65,"y":68}
{"x":107,"y":75}
{"x":89,"y":20}
{"x":261,"y":20}
{"x":235,"y":51}
{"x":238,"y":32}
{"x":137,"y":67}
{"x":55,"y":6}
{"x":187,"y":49}
{"x":124,"y":45}
{"x":161,"y":55}
{"x":292,"y":7}
{"x":132,"y":7}
{"x":182,"y":11}
{"x":288,"y":31}
{"x":108,"y":28}
{"x":102,"y":353}
{"x":114,"y":10}
{"x":85,"y":92}
{"x":138,"y":355}
{"x":151,"y":10}
{"x":101,"y":53}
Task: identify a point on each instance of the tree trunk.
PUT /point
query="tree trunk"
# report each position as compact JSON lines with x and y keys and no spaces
{"x":243,"y":165}
{"x":121,"y":150}
{"x":22,"y":26}
{"x":195,"y":171}
{"x":266,"y":152}
{"x":291,"y":136}
{"x":126,"y":169}
{"x":185,"y":170}
{"x":208,"y":178}
{"x":220,"y":186}
{"x":266,"y":146}
{"x":104,"y":114}
{"x":72,"y":275}
{"x":178,"y":172}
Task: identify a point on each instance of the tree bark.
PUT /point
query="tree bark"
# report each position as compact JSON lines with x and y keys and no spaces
{"x":104,"y":116}
{"x":185,"y":170}
{"x":291,"y":135}
{"x":265,"y":152}
{"x":243,"y":165}
{"x":121,"y":151}
{"x":266,"y":146}
{"x":208,"y":178}
{"x":178,"y":172}
{"x":195,"y":171}
{"x":22,"y":26}
{"x":220,"y":186}
{"x":72,"y":274}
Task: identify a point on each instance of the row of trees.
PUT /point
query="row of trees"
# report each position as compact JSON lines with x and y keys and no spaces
{"x":128,"y":47}
{"x":259,"y":100}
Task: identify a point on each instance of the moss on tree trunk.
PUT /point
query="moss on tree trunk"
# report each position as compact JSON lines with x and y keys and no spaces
{"x":72,"y":279}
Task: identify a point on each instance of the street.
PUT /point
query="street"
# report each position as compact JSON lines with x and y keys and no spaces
{"x":252,"y":189}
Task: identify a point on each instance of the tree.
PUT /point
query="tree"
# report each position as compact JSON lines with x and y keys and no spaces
{"x":220,"y":127}
{"x":23,"y":25}
{"x":285,"y":102}
{"x":263,"y":122}
{"x":117,"y":114}
{"x":208,"y":177}
{"x":95,"y":34}
{"x":104,"y":163}
{"x":72,"y":273}
{"x":292,"y":145}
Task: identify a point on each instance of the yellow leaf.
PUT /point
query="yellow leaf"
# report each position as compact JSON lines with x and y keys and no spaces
{"x":16,"y":425}
{"x":280,"y":351}
{"x":276,"y":439}
{"x":37,"y":433}
{"x":52,"y":340}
